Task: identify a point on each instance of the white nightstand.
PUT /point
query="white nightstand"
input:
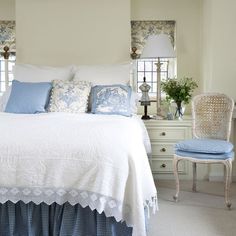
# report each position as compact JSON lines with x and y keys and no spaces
{"x":163,"y":135}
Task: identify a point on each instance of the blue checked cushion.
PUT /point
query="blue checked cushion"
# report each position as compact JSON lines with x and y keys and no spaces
{"x":221,"y":156}
{"x":210,"y":146}
{"x":111,"y":99}
{"x":69,"y":96}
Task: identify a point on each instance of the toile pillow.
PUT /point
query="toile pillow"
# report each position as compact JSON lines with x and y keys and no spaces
{"x":111,"y":100}
{"x":69,"y":96}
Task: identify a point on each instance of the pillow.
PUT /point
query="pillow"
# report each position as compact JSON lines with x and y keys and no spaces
{"x":104,"y":74}
{"x":107,"y":75}
{"x":211,"y":146}
{"x":33,"y":73}
{"x":69,"y":96}
{"x":28,"y":98}
{"x":4,"y":99}
{"x":133,"y":102}
{"x":111,"y":99}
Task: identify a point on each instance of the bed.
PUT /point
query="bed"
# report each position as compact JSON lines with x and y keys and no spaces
{"x":74,"y":156}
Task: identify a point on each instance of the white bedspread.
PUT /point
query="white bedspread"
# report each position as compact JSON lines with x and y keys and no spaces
{"x":95,"y":160}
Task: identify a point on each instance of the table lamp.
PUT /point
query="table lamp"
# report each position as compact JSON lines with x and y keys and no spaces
{"x":156,"y":47}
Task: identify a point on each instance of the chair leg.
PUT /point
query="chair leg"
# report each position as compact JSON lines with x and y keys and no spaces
{"x":228,"y":178}
{"x":194,"y":188}
{"x":175,"y":169}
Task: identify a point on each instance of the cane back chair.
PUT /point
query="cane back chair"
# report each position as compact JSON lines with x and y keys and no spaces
{"x":211,"y":128}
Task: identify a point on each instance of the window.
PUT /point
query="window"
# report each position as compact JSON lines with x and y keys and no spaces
{"x":6,"y":72}
{"x":7,"y":44}
{"x":140,"y":31}
{"x":147,"y":68}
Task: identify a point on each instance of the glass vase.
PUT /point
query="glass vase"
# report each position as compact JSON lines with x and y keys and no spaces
{"x":180,"y":108}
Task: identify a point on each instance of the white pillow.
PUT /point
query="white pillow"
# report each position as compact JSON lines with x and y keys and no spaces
{"x":4,"y":99}
{"x":107,"y":75}
{"x":34,"y":73}
{"x":134,"y":102}
{"x":104,"y":74}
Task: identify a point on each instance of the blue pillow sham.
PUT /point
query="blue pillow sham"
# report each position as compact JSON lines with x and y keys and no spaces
{"x":28,"y":98}
{"x":111,"y":99}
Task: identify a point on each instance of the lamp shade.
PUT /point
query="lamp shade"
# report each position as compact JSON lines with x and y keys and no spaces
{"x":158,"y":46}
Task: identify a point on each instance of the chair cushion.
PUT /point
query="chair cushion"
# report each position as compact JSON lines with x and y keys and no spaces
{"x":204,"y":156}
{"x":210,"y":146}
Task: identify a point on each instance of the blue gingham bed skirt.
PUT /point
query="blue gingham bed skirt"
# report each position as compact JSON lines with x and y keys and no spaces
{"x":22,"y":219}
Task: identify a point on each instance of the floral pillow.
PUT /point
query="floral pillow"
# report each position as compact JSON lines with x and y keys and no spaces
{"x":111,"y":99}
{"x":69,"y":96}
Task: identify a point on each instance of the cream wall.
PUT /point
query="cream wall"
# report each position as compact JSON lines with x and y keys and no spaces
{"x":59,"y":32}
{"x":219,"y":58}
{"x":7,"y":9}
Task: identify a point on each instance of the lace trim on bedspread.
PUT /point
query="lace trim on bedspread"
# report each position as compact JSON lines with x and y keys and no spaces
{"x":108,"y":205}
{"x":101,"y":203}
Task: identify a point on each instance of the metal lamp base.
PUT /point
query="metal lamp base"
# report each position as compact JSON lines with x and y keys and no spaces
{"x":146,"y":117}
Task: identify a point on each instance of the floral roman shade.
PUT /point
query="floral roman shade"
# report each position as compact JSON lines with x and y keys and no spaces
{"x":140,"y":30}
{"x":7,"y":35}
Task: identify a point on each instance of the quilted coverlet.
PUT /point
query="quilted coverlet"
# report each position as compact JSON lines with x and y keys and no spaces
{"x":98,"y":161}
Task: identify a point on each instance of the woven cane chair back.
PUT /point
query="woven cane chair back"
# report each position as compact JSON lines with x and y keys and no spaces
{"x":212,"y":115}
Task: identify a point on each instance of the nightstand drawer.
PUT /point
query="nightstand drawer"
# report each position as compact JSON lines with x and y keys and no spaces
{"x":167,"y":133}
{"x":166,"y":166}
{"x":162,"y":149}
{"x":164,"y":134}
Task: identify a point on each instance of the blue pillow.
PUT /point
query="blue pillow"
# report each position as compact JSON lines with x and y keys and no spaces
{"x":211,"y":146}
{"x":111,"y":99}
{"x":28,"y":98}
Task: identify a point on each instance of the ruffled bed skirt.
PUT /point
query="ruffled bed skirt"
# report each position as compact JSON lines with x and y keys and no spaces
{"x":22,"y":219}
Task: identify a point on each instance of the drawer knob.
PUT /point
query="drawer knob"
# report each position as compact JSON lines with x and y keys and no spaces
{"x":163,"y":165}
{"x":163,"y":150}
{"x":163,"y":134}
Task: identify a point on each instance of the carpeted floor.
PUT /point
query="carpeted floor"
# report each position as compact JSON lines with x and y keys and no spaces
{"x":195,"y":214}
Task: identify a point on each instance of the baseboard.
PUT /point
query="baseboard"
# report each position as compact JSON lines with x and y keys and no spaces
{"x":220,"y":178}
{"x":234,"y":178}
{"x":216,"y":178}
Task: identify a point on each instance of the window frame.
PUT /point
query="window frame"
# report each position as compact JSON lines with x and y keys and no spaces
{"x":6,"y":80}
{"x":165,"y":74}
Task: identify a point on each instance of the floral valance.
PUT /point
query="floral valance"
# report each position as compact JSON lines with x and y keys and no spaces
{"x":140,"y":30}
{"x":8,"y":35}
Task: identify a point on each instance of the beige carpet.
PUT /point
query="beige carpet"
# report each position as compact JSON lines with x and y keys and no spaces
{"x":195,"y":214}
